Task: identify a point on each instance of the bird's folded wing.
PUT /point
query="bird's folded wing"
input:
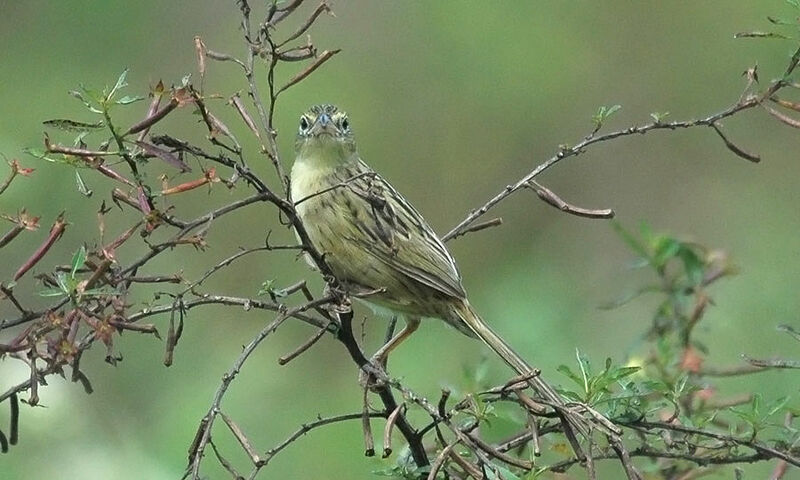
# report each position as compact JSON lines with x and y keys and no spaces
{"x":405,"y":241}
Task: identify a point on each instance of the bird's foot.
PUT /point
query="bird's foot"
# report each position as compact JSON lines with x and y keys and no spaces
{"x":373,"y":374}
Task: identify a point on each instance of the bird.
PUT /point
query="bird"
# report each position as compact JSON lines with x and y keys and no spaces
{"x":373,"y":240}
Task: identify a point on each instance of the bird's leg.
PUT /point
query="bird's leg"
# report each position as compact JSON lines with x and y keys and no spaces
{"x":376,"y":368}
{"x":381,"y":356}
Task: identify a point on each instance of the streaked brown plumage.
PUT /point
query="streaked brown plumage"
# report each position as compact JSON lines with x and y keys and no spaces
{"x":372,"y":238}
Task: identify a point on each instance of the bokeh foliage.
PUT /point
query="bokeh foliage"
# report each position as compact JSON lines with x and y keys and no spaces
{"x":449,"y":102}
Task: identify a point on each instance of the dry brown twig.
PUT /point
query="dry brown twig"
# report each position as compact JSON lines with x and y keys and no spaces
{"x":76,"y":324}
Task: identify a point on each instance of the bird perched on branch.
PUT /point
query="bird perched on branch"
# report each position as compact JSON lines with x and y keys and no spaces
{"x":373,"y":239}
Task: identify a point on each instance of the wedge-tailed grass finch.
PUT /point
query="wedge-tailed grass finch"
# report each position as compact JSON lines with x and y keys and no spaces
{"x":372,"y":238}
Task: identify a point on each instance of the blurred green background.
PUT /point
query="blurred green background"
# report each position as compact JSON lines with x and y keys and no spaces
{"x":451,"y":101}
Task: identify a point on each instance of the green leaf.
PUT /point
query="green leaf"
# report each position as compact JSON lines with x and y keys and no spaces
{"x":82,"y":185}
{"x":52,"y":292}
{"x":96,"y":292}
{"x":121,"y":83}
{"x":570,"y":395}
{"x":664,"y":248}
{"x":622,"y":372}
{"x":95,"y":95}
{"x":659,"y":117}
{"x":497,"y":472}
{"x":72,"y":125}
{"x":781,"y":21}
{"x":680,"y":384}
{"x":761,"y":35}
{"x":755,"y":405}
{"x":42,"y":155}
{"x":127,"y":100}
{"x":63,"y":283}
{"x":744,"y":415}
{"x":78,"y":260}
{"x":267,"y":288}
{"x":603,"y":113}
{"x":777,"y":405}
{"x":80,"y":96}
{"x":570,"y":374}
{"x":634,"y":243}
{"x":692,"y":264}
{"x":583,"y":363}
{"x":791,"y":331}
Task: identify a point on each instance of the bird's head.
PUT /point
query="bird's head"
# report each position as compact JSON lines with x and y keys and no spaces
{"x":324,"y":129}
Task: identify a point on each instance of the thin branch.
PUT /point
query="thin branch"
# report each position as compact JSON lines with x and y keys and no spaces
{"x":322,"y":8}
{"x":495,"y":222}
{"x":304,"y":346}
{"x":735,"y":148}
{"x":247,"y":303}
{"x":554,"y":200}
{"x":305,"y":428}
{"x":744,"y":104}
{"x":242,"y":439}
{"x":323,"y":57}
{"x":765,"y":451}
{"x":231,"y":374}
{"x":771,"y":363}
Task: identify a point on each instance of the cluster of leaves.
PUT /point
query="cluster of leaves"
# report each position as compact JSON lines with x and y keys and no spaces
{"x":90,"y":293}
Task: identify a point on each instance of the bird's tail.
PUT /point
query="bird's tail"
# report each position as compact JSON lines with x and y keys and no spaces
{"x":476,"y":325}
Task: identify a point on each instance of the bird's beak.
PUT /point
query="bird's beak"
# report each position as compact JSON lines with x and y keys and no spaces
{"x":323,"y":125}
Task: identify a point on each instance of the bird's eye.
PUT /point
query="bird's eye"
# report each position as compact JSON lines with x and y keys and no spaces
{"x":345,"y":124}
{"x":303,"y":124}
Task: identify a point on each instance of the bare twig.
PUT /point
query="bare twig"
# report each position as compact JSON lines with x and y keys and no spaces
{"x":554,"y":200}
{"x":748,"y":102}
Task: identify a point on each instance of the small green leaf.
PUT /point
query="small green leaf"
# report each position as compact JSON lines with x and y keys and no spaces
{"x":80,"y":96}
{"x":96,"y":95}
{"x":791,"y":331}
{"x":680,"y":384}
{"x":72,"y":125}
{"x":570,"y":395}
{"x":761,"y":35}
{"x":665,"y":248}
{"x":634,"y":243}
{"x":692,"y":264}
{"x":755,"y":405}
{"x":63,"y":283}
{"x":604,"y":113}
{"x":96,"y":292}
{"x":82,"y":185}
{"x":622,"y":372}
{"x":121,"y":83}
{"x":777,"y":405}
{"x":497,"y":472}
{"x":127,"y":100}
{"x":659,"y":117}
{"x":42,"y":155}
{"x":781,"y":21}
{"x":52,"y":292}
{"x":570,"y":374}
{"x":78,"y":260}
{"x":583,"y":363}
